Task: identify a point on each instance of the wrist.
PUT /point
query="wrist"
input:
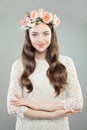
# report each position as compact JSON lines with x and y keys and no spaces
{"x":59,"y":105}
{"x":33,"y":104}
{"x":28,"y":103}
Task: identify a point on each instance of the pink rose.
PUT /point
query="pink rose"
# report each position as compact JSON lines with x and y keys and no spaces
{"x":56,"y":20}
{"x":34,"y":14}
{"x":47,"y":17}
{"x":24,"y":21}
{"x":27,"y":19}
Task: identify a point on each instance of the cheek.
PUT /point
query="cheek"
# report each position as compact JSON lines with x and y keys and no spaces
{"x":32,"y":40}
{"x":49,"y":39}
{"x":33,"y":43}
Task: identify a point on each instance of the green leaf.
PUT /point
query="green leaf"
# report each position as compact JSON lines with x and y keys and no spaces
{"x":38,"y":20}
{"x":51,"y":22}
{"x":32,"y":22}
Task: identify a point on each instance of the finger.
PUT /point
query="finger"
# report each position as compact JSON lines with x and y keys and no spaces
{"x":14,"y":100}
{"x":72,"y":112}
{"x":67,"y":110}
{"x":18,"y":96}
{"x":75,"y":111}
{"x":16,"y":103}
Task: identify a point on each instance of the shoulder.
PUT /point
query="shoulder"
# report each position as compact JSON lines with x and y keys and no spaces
{"x":66,"y":60}
{"x":17,"y":64}
{"x":63,"y":58}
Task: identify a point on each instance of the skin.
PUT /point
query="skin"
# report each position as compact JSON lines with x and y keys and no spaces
{"x":40,"y":36}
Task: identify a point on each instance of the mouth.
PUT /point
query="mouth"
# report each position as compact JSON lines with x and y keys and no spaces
{"x":40,"y":45}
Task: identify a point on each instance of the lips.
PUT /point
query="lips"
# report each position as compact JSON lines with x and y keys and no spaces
{"x":41,"y":45}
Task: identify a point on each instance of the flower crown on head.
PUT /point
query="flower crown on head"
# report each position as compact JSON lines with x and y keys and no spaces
{"x":35,"y":17}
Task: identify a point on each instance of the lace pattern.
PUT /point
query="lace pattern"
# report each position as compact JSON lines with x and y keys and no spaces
{"x":43,"y":91}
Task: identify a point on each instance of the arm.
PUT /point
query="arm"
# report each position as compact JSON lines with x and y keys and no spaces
{"x":74,"y":99}
{"x":14,"y":85}
{"x":46,"y":106}
{"x":30,"y":113}
{"x":48,"y":115}
{"x":35,"y":114}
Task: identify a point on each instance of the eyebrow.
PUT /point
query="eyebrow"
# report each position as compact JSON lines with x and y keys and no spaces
{"x":43,"y":32}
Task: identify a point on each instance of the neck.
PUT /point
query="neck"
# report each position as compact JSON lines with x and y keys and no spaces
{"x":40,"y":55}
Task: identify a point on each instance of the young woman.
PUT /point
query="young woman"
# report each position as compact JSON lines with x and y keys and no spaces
{"x":44,"y":88}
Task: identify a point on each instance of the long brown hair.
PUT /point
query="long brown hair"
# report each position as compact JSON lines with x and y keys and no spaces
{"x":56,"y":72}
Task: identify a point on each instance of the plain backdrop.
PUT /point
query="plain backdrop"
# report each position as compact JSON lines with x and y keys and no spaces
{"x":72,"y":39}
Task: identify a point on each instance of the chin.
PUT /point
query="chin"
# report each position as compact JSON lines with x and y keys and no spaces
{"x":41,"y":50}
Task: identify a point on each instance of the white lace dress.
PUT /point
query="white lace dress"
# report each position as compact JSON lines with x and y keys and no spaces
{"x":44,"y":91}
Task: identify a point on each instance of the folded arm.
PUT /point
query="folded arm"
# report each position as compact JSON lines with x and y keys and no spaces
{"x":36,"y":110}
{"x":37,"y":105}
{"x":48,"y":115}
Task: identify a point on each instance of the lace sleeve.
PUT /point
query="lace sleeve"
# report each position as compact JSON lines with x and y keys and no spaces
{"x":74,"y":99}
{"x":14,"y":85}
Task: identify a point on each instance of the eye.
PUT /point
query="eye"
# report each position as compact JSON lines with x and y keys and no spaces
{"x":46,"y":33}
{"x":34,"y":34}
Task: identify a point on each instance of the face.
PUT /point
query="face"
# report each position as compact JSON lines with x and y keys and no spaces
{"x":40,"y":36}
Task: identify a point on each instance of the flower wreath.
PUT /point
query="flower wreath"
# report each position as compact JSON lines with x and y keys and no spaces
{"x":35,"y":17}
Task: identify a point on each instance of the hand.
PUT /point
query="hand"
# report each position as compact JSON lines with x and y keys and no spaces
{"x":67,"y":112}
{"x":70,"y":112}
{"x":19,"y":101}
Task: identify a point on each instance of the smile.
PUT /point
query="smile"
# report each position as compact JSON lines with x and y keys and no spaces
{"x":41,"y":45}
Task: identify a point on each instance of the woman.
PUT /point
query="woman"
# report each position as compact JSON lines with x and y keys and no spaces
{"x":44,"y":88}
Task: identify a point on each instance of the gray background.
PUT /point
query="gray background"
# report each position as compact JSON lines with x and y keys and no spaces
{"x":72,"y":37}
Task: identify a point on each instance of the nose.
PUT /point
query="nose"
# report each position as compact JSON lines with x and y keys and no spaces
{"x":40,"y":39}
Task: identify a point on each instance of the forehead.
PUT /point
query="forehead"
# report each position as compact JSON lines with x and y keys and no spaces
{"x":40,"y":28}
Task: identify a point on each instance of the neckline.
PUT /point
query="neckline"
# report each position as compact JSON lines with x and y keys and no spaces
{"x":40,"y":60}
